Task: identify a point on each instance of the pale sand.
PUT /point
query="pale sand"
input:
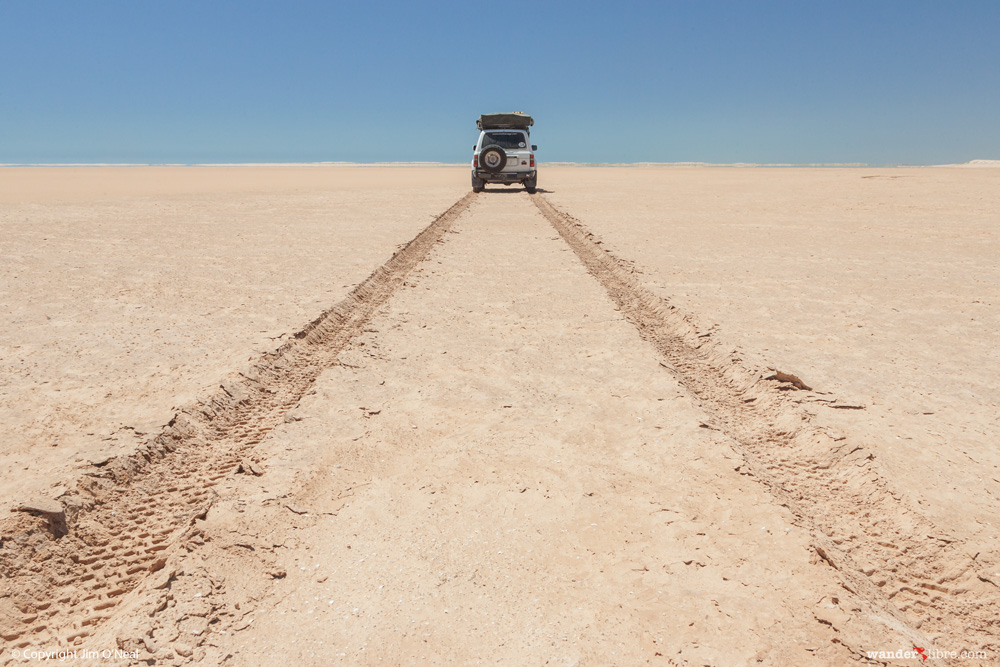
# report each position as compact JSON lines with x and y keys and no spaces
{"x":127,"y":292}
{"x":494,"y":464}
{"x":879,"y":286}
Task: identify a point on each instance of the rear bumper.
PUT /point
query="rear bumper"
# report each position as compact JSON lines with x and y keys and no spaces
{"x":503,"y":176}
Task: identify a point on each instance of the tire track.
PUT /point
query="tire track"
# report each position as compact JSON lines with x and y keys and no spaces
{"x":60,"y":579}
{"x":919,"y":576}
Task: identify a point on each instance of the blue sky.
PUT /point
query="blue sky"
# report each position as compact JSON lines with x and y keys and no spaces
{"x":881,"y":82}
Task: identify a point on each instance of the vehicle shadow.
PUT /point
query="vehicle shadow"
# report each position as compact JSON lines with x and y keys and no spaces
{"x":507,"y":191}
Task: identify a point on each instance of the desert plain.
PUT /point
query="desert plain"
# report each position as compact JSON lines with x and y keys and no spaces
{"x":360,"y":415}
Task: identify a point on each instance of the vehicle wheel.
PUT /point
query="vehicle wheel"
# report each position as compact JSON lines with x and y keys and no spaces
{"x":531,"y":184}
{"x":477,"y":184}
{"x":492,"y":159}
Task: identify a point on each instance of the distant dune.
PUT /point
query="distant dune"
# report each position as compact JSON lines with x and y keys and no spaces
{"x":975,"y":163}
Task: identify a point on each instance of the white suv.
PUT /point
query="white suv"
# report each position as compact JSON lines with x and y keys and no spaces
{"x":504,"y":153}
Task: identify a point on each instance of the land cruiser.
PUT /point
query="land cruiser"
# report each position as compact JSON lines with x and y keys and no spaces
{"x":504,"y":153}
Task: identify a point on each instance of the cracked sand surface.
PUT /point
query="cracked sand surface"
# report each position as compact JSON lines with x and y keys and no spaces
{"x":497,"y":467}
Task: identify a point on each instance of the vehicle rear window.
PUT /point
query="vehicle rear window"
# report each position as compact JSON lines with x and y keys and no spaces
{"x":504,"y":139}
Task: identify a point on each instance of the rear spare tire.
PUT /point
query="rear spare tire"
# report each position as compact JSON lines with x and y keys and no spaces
{"x":492,"y":159}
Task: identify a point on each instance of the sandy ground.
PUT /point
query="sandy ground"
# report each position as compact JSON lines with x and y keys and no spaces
{"x":507,"y":445}
{"x":128,"y":292}
{"x":880,"y":286}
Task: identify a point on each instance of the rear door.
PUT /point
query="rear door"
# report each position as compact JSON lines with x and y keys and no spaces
{"x":517,"y":154}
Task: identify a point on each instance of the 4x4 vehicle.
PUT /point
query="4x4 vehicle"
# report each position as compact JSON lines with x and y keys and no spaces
{"x":504,"y":153}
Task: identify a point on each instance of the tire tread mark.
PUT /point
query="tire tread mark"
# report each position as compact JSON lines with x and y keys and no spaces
{"x":880,"y":546}
{"x":126,"y":518}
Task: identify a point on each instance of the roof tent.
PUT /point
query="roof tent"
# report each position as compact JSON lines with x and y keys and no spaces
{"x":505,"y":121}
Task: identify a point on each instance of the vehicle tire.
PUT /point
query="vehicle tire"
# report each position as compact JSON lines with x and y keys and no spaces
{"x":477,"y":184}
{"x":492,"y":158}
{"x":531,"y":184}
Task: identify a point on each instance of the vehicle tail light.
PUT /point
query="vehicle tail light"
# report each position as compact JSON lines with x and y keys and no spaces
{"x":475,"y":161}
{"x":532,"y":164}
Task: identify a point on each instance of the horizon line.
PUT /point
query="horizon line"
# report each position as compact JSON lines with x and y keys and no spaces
{"x":853,"y":165}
